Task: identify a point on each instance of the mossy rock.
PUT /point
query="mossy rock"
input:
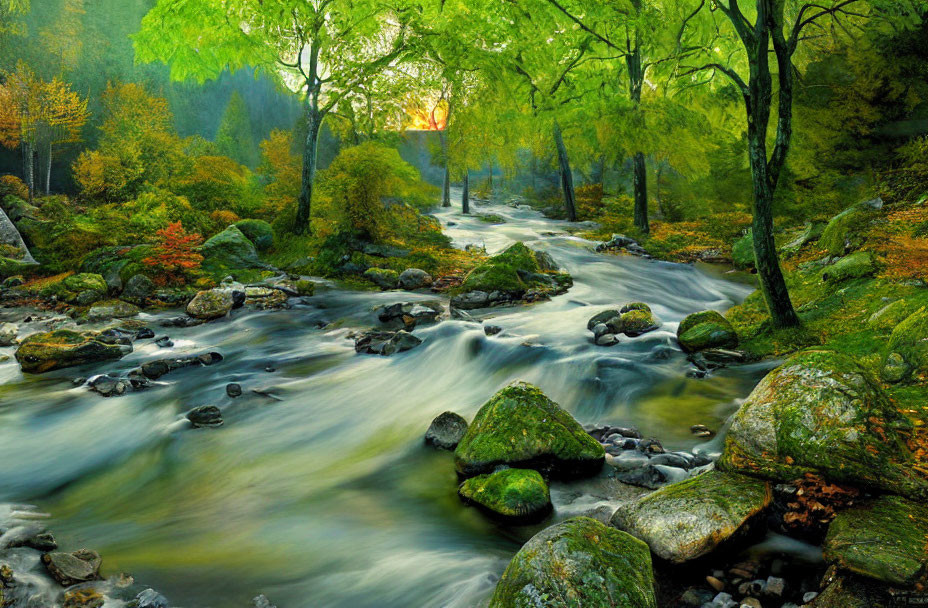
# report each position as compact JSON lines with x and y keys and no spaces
{"x":910,"y":340}
{"x":258,"y":232}
{"x":811,"y":233}
{"x":854,"y":592}
{"x":10,"y":267}
{"x":519,"y":257}
{"x":742,"y":252}
{"x":821,"y":412}
{"x":305,"y":288}
{"x":895,"y":368}
{"x":891,"y":315}
{"x":704,"y":330}
{"x":211,"y":304}
{"x":855,"y":266}
{"x":116,"y":264}
{"x":112,"y":309}
{"x":845,"y":231}
{"x":637,"y":321}
{"x":47,"y":351}
{"x":230,"y":250}
{"x":83,"y":288}
{"x":578,"y":562}
{"x":884,"y":539}
{"x":689,"y":519}
{"x":518,"y":496}
{"x":491,"y":277}
{"x":384,"y":278}
{"x":85,"y":281}
{"x":520,"y":427}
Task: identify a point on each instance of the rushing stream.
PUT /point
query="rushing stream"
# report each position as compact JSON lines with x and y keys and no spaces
{"x":320,"y":493}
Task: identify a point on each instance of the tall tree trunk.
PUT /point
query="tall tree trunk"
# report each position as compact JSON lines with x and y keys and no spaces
{"x":635,"y":84}
{"x":446,"y":181}
{"x":757,"y":101}
{"x":310,"y":149}
{"x":31,"y":159}
{"x":48,"y":172}
{"x":567,"y":178}
{"x":657,"y":190}
{"x":465,"y":196}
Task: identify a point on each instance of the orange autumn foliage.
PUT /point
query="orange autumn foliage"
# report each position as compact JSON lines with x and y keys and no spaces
{"x":174,"y":257}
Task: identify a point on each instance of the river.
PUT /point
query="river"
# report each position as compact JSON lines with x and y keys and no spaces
{"x":320,"y":492}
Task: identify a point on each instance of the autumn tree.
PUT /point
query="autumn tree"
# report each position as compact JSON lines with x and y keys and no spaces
{"x":324,"y":49}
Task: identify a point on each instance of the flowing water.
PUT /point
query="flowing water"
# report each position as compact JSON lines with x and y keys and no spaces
{"x":319,"y":493}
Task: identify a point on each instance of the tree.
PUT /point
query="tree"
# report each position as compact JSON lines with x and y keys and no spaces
{"x":325,"y":49}
{"x":8,"y":10}
{"x":770,"y":27}
{"x":234,"y":138}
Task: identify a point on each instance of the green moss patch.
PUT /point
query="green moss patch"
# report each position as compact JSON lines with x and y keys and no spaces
{"x":707,"y":329}
{"x":515,"y":495}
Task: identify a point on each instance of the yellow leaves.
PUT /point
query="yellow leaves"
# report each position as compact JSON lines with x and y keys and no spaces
{"x":39,"y":112}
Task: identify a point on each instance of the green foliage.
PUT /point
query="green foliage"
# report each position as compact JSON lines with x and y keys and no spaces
{"x":234,"y":138}
{"x":258,"y":232}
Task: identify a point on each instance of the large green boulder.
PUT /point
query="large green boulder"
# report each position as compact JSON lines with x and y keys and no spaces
{"x":258,"y":232}
{"x":704,"y":330}
{"x":513,"y":495}
{"x":636,"y":319}
{"x":520,"y":427}
{"x":83,"y":288}
{"x":821,"y":412}
{"x":845,"y":231}
{"x":230,"y":250}
{"x":112,"y":309}
{"x":11,"y":267}
{"x":857,"y":265}
{"x":909,"y":341}
{"x":578,"y":562}
{"x":742,"y":252}
{"x":884,"y":539}
{"x":116,"y":264}
{"x":689,"y":519}
{"x":43,"y":352}
{"x":211,"y":304}
{"x":891,"y":315}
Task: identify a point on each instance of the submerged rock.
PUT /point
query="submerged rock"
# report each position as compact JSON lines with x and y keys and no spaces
{"x":446,"y":431}
{"x":211,"y":304}
{"x":72,"y":568}
{"x":518,"y":496}
{"x":149,"y":598}
{"x":409,"y":314}
{"x":62,"y":348}
{"x":687,"y":520}
{"x":822,"y":412}
{"x":520,"y":427}
{"x":705,"y":330}
{"x":385,"y":342}
{"x":578,"y":562}
{"x":205,"y":416}
{"x":883,"y":540}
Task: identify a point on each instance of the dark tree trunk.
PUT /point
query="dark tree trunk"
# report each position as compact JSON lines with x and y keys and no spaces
{"x":635,"y":83}
{"x":764,"y":177}
{"x":567,"y":178}
{"x":310,"y":148}
{"x":465,"y":196}
{"x":446,"y":180}
{"x":641,"y":194}
{"x":32,"y":157}
{"x":48,"y":172}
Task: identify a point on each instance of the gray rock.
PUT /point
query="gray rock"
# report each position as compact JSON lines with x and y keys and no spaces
{"x":8,"y":333}
{"x":607,"y":340}
{"x":414,"y":278}
{"x":72,"y":568}
{"x":385,"y":342}
{"x":446,"y":431}
{"x":471,"y":300}
{"x":211,"y":304}
{"x":205,"y":416}
{"x":108,"y":386}
{"x":138,"y":289}
{"x":234,"y":390}
{"x":151,"y":599}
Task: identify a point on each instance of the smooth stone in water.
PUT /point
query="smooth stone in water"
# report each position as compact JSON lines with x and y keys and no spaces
{"x":446,"y":431}
{"x":72,"y":568}
{"x":205,"y":416}
{"x":234,"y":390}
{"x":517,"y":496}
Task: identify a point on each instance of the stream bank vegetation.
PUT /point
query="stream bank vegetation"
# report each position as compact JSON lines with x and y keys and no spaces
{"x":206,"y":154}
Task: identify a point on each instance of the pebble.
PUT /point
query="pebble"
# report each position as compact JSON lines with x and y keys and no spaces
{"x":164,"y":342}
{"x":492,"y":330}
{"x":775,"y":586}
{"x":144,"y":334}
{"x":751,"y":602}
{"x":151,"y":599}
{"x":715,"y":583}
{"x":651,"y":446}
{"x":234,"y":390}
{"x":205,"y":416}
{"x":270,"y":369}
{"x":808,"y":597}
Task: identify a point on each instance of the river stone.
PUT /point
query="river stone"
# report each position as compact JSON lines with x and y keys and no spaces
{"x":8,"y":334}
{"x":689,"y":519}
{"x":883,"y":540}
{"x":385,"y":342}
{"x":150,"y":598}
{"x":205,"y":416}
{"x":895,"y":368}
{"x":138,"y":289}
{"x":578,"y":562}
{"x":821,"y":412}
{"x":82,"y":598}
{"x":414,"y":278}
{"x":705,"y":330}
{"x":853,"y":592}
{"x":43,"y":352}
{"x":518,"y":496}
{"x":112,"y":309}
{"x":638,"y":321}
{"x":413,"y":312}
{"x":602,"y":318}
{"x":383,"y":278}
{"x":545,"y":262}
{"x":520,"y":427}
{"x":910,"y":341}
{"x":854,"y":266}
{"x":845,"y":232}
{"x":72,"y":568}
{"x":446,"y":431}
{"x":211,"y":304}
{"x":471,"y":300}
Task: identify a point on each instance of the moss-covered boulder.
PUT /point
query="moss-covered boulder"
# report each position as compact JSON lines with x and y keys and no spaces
{"x":518,"y":496}
{"x":884,"y":539}
{"x":910,"y":341}
{"x":211,"y":304}
{"x":689,"y":519}
{"x":383,"y":278}
{"x":857,"y":265}
{"x":10,"y":267}
{"x":305,"y":288}
{"x":116,"y":264}
{"x":637,"y":319}
{"x":513,"y":272}
{"x":83,"y":288}
{"x":704,"y":330}
{"x":854,"y":592}
{"x":520,"y":427}
{"x":821,"y":412}
{"x":258,"y":232}
{"x":891,"y":315}
{"x":112,"y":309}
{"x":845,"y":231}
{"x":230,"y":250}
{"x":578,"y":562}
{"x":742,"y":252}
{"x":43,"y":352}
{"x":811,"y":233}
